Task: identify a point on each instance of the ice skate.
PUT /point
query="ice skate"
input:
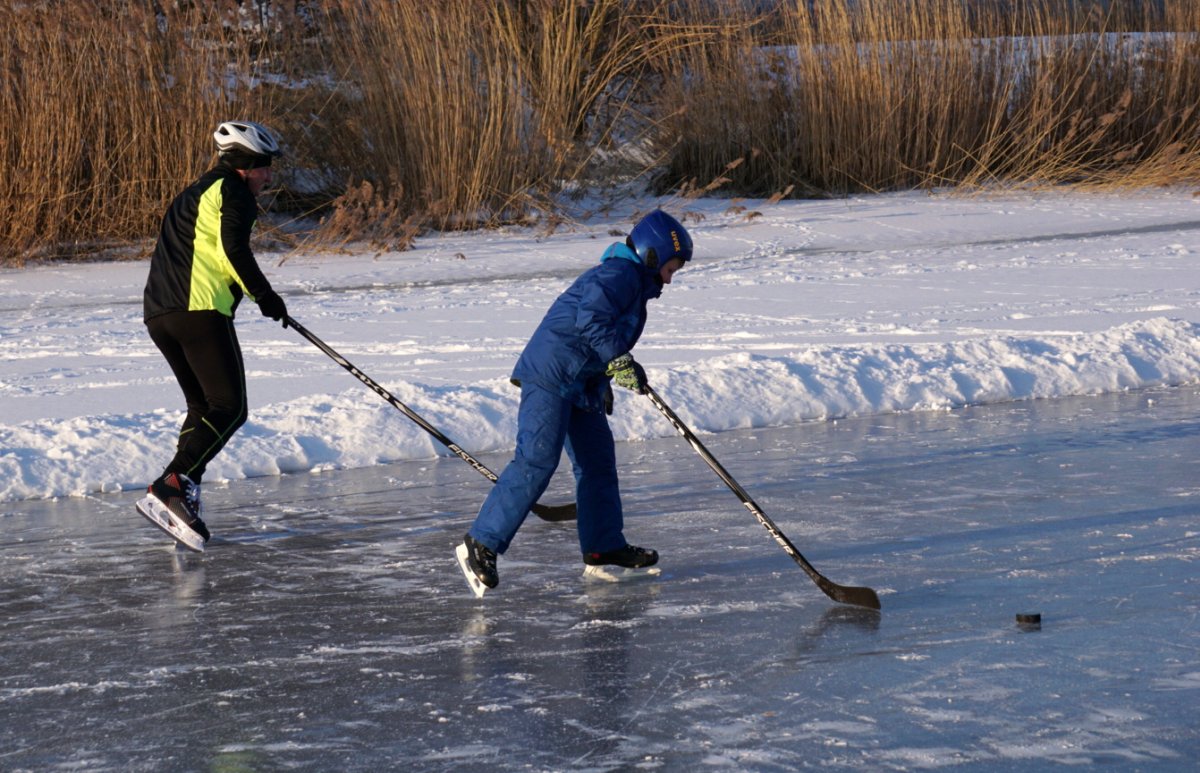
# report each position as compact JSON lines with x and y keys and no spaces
{"x":627,"y":563}
{"x":173,"y":505}
{"x":478,"y":564}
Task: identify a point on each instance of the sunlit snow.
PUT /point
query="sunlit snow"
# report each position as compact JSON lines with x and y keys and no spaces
{"x":794,"y":311}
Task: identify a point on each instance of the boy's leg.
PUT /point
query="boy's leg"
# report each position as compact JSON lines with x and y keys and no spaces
{"x":541,"y":428}
{"x":590,"y":447}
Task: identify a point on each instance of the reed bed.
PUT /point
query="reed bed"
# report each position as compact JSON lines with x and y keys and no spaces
{"x":485,"y":109}
{"x":871,"y":95}
{"x":103,"y":115}
{"x":403,"y":116}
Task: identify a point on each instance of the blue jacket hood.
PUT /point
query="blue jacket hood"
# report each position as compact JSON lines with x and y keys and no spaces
{"x":620,"y":250}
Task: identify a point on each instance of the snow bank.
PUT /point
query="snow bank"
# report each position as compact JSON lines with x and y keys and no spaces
{"x":797,"y":311}
{"x":356,"y":428}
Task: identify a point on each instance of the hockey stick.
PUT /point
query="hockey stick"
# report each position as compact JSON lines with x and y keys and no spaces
{"x":862,"y":597}
{"x":545,"y":512}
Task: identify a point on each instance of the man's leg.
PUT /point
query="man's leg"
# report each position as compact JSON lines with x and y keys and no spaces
{"x":161,"y":331}
{"x":212,"y":363}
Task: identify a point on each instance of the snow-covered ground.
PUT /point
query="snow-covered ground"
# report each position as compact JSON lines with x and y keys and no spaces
{"x":793,"y":311}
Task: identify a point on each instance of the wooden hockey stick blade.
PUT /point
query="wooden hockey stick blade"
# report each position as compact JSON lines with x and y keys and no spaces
{"x":844,"y":594}
{"x":554,"y":513}
{"x":848,"y":594}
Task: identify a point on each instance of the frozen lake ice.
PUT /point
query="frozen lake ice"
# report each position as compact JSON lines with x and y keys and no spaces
{"x":328,"y":628}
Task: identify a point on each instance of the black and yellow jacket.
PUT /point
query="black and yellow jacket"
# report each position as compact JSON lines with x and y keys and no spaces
{"x":202,"y":261}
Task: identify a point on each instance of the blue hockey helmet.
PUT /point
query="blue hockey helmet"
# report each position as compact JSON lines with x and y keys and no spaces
{"x":658,"y":237}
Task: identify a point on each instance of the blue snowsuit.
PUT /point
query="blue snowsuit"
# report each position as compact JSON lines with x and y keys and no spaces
{"x":563,"y":384}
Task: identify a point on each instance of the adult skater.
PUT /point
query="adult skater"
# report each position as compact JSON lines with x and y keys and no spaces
{"x":201,"y":267}
{"x":582,"y":343}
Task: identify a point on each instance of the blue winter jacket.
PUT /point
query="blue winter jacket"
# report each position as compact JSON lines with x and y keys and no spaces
{"x":599,"y":317}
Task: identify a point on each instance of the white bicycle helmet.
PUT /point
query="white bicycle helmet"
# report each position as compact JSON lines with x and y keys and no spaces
{"x":246,"y":136}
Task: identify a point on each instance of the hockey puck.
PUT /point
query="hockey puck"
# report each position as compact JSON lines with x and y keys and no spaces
{"x":1029,"y":620}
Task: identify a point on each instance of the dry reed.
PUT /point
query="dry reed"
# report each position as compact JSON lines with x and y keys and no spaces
{"x":866,"y":95}
{"x":103,"y":114}
{"x":399,"y":116}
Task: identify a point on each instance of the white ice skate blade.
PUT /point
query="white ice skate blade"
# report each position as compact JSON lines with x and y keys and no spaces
{"x":619,"y":573}
{"x":157,"y":513}
{"x":478,"y":587}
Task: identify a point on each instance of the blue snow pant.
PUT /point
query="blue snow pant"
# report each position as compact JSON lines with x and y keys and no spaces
{"x":545,"y":422}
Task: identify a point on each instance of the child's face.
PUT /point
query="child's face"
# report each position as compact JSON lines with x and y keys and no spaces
{"x":669,"y":268}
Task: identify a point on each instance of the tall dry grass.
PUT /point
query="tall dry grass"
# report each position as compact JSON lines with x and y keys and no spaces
{"x":439,"y":112}
{"x":103,"y":112}
{"x":865,"y":95}
{"x":471,"y":113}
{"x":400,"y":116}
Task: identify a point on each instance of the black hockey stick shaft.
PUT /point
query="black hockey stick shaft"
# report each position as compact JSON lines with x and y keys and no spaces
{"x":545,"y":512}
{"x":862,"y":597}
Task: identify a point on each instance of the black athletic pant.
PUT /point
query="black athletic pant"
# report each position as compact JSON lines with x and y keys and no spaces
{"x":202,"y":350}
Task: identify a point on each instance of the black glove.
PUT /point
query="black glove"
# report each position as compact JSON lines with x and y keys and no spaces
{"x":628,"y":373}
{"x":271,"y":305}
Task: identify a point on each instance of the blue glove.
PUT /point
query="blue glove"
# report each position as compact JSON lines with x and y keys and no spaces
{"x":628,"y":373}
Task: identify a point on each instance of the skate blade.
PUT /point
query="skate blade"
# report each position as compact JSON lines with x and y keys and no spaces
{"x":478,"y":587}
{"x":157,"y":513}
{"x":620,"y":573}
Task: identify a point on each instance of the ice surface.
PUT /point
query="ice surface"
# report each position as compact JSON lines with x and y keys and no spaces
{"x":327,"y":626}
